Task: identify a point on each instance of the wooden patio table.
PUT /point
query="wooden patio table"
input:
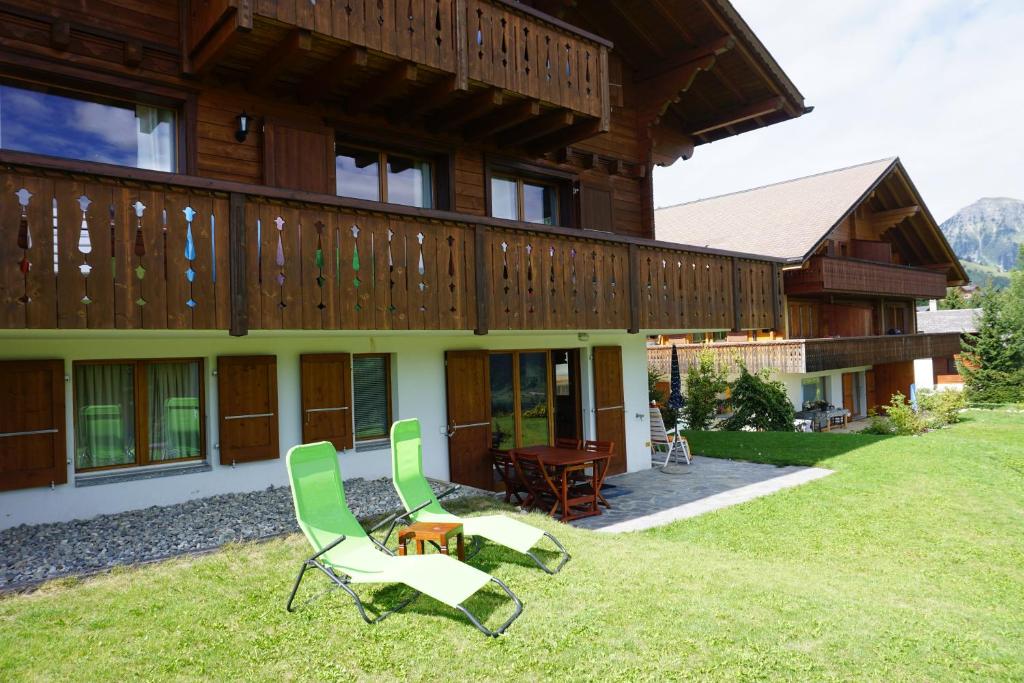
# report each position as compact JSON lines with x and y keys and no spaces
{"x":563,"y":461}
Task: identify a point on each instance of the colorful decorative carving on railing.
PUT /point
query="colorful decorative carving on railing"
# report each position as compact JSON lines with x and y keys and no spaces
{"x":158,"y":272}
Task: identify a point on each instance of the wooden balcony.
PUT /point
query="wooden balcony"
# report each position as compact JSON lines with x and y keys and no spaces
{"x":493,"y":69}
{"x":794,"y":356}
{"x":93,"y":246}
{"x":833,"y":275}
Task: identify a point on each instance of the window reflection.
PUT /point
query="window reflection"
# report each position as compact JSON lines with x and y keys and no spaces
{"x":503,"y":427}
{"x":409,"y":181}
{"x":125,"y":134}
{"x":533,"y":398}
{"x":539,"y":204}
{"x":357,"y":174}
{"x":504,"y":198}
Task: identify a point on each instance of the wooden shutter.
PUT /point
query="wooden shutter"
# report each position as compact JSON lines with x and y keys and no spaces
{"x":469,"y":417}
{"x":848,"y":398}
{"x":596,"y":208}
{"x":247,"y":399}
{"x":327,"y":399}
{"x":609,"y":404}
{"x":298,"y":157}
{"x":32,"y":435}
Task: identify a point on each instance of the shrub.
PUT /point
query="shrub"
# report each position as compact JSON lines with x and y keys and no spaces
{"x":760,"y":403}
{"x":704,"y":381}
{"x":903,"y":419}
{"x":539,"y":410}
{"x":670,"y":416}
{"x":941,"y":407}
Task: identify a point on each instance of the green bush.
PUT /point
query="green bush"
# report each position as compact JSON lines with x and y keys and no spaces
{"x":759,"y":403}
{"x":704,"y":381}
{"x":941,"y":407}
{"x":670,"y":416}
{"x":900,"y":419}
{"x":539,"y":410}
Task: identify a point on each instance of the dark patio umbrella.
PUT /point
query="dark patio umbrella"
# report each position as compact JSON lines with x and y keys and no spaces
{"x":675,"y":396}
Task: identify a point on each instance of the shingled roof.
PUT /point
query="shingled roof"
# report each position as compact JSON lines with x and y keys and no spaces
{"x":784,"y":220}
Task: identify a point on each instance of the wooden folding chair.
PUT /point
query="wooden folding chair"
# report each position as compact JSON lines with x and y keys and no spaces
{"x":506,"y":470}
{"x":541,"y":488}
{"x":600,"y":447}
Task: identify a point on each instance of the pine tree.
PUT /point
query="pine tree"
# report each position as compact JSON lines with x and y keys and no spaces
{"x":954,"y":300}
{"x":993,"y":359}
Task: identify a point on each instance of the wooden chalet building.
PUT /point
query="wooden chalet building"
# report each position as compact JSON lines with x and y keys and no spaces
{"x":231,"y":226}
{"x":859,"y":248}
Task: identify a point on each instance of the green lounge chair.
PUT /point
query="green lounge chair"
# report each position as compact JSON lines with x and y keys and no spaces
{"x":348,"y":556}
{"x":422,"y":505}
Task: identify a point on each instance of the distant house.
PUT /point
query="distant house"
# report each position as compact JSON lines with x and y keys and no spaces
{"x":945,"y":372}
{"x":858,"y":247}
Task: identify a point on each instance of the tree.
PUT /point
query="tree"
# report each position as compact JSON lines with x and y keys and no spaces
{"x":1015,"y":292}
{"x":704,"y":381}
{"x":993,"y":359}
{"x":670,"y":416}
{"x":954,"y":300}
{"x":760,"y":403}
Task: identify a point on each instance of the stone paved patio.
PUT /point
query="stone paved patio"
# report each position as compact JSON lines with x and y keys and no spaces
{"x":649,"y":498}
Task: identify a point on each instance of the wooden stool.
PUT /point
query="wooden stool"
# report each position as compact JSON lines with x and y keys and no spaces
{"x":438,"y":533}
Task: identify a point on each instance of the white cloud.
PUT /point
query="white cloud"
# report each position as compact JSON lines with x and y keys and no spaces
{"x":939,"y":83}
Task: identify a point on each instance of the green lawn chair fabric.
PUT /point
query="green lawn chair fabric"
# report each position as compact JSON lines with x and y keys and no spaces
{"x":323,"y":516}
{"x":413,"y":489}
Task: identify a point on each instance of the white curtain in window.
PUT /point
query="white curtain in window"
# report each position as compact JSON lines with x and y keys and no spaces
{"x":155,"y":138}
{"x":174,"y":419}
{"x":105,"y":420}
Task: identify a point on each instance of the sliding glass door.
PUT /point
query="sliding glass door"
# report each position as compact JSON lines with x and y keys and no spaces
{"x":534,"y":397}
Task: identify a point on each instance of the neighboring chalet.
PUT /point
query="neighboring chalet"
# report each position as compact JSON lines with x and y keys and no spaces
{"x":859,"y":248}
{"x":946,"y":370}
{"x":231,"y":226}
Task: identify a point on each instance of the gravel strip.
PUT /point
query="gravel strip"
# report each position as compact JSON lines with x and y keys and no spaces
{"x":31,"y":554}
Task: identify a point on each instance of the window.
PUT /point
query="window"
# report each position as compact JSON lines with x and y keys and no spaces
{"x":384,"y":176}
{"x":137,"y":412}
{"x":534,"y":397}
{"x":76,"y":126}
{"x":813,"y":390}
{"x":371,"y":388}
{"x":524,"y":199}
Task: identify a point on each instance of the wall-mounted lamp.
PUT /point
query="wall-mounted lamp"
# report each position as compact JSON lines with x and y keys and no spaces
{"x":583,"y":336}
{"x":242,"y":131}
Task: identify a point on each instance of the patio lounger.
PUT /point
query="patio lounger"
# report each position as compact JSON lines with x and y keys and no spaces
{"x":422,"y":505}
{"x":347,"y":555}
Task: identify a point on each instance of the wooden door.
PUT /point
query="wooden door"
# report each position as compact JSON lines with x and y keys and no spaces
{"x":32,"y":441}
{"x":247,"y":403}
{"x":468,"y":387}
{"x":848,"y":393}
{"x":327,"y":398}
{"x":609,"y":405}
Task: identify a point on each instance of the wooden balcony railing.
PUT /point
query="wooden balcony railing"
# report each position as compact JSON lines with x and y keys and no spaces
{"x":93,"y":246}
{"x":492,"y":43}
{"x":812,"y":355}
{"x":825,"y":274}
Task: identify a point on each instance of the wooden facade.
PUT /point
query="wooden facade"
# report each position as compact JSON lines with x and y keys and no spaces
{"x":832,"y":275}
{"x":248,"y":233}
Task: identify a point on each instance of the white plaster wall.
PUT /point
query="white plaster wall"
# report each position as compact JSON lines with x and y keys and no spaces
{"x":418,"y":390}
{"x":924,"y":374}
{"x":833,"y":385}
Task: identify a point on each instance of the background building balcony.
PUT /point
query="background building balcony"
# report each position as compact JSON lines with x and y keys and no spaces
{"x":834,"y":275}
{"x":795,"y":356}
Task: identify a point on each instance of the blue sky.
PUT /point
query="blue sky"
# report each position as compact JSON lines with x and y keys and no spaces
{"x":939,"y":83}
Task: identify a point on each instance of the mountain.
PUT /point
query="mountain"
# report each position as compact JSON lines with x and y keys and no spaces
{"x":986,"y":236}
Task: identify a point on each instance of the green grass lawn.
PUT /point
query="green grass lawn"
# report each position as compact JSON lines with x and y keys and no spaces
{"x":907,"y":564}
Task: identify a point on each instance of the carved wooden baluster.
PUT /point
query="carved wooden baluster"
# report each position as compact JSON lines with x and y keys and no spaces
{"x":139,"y":249}
{"x":56,"y":239}
{"x":112,"y":222}
{"x":437,"y":23}
{"x":504,"y":42}
{"x":526,"y":50}
{"x":85,"y":246}
{"x":679,"y":290}
{"x":318,"y":259}
{"x":568,"y":65}
{"x":356,"y":282}
{"x":412,"y":20}
{"x":259,"y":251}
{"x":572,"y":279}
{"x":451,"y":271}
{"x":213,"y":247}
{"x":24,"y":241}
{"x":613,"y":283}
{"x":190,"y":255}
{"x":480,"y":33}
{"x":649,"y":286}
{"x":391,"y":274}
{"x":421,"y":269}
{"x":547,"y":58}
{"x":586,"y":75}
{"x":529,"y":276}
{"x":337,"y":256}
{"x":279,"y":261}
{"x":380,"y":12}
{"x":593,"y":280}
{"x":163,"y":235}
{"x":664,"y":288}
{"x":504,"y":274}
{"x":551,"y":279}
